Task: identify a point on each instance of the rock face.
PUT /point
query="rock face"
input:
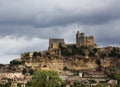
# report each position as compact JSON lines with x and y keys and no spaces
{"x":59,"y":63}
{"x":82,"y":55}
{"x":99,"y":59}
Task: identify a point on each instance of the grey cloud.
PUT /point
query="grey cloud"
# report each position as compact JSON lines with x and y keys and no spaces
{"x":55,"y":13}
{"x":12,"y":47}
{"x":29,"y":23}
{"x":32,"y":39}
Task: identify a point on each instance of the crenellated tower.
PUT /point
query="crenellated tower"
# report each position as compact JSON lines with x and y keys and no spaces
{"x":82,"y":40}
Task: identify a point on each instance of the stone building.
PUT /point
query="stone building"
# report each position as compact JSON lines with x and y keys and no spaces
{"x":81,"y":40}
{"x":55,"y":43}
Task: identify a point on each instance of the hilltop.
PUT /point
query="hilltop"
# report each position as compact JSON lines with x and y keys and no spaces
{"x":83,"y":62}
{"x":84,"y":55}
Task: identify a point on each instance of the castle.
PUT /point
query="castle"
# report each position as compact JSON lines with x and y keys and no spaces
{"x":81,"y":40}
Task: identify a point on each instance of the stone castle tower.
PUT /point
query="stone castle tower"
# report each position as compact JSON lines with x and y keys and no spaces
{"x":55,"y":43}
{"x":82,"y":40}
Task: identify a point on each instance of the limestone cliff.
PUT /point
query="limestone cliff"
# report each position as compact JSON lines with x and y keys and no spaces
{"x":76,"y":59}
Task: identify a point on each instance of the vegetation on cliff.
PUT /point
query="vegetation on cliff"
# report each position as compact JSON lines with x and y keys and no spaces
{"x":45,"y":79}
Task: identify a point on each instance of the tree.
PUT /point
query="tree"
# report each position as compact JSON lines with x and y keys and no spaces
{"x":98,"y":61}
{"x":26,"y":54}
{"x":65,"y":68}
{"x":24,"y":71}
{"x":91,"y":54}
{"x":15,"y":62}
{"x":31,"y":71}
{"x":95,"y":50}
{"x":45,"y":79}
{"x":1,"y":64}
{"x":36,"y":54}
{"x":6,"y":85}
{"x":116,"y":76}
{"x":99,"y":68}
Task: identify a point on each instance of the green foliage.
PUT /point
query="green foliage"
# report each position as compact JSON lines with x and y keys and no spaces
{"x":72,"y":50}
{"x":6,"y":85}
{"x":116,"y":76}
{"x":15,"y":62}
{"x":103,"y":55}
{"x":31,"y":71}
{"x":114,"y":53}
{"x":93,"y":81}
{"x":45,"y":79}
{"x":1,"y":64}
{"x":98,"y":61}
{"x":91,"y":54}
{"x":99,"y":68}
{"x":26,"y":54}
{"x":19,"y":85}
{"x":36,"y":54}
{"x":24,"y":71}
{"x":95,"y":50}
{"x":28,"y":71}
{"x":65,"y":68}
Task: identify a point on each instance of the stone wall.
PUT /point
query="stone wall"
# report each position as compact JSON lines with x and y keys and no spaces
{"x":81,"y":40}
{"x":55,"y":43}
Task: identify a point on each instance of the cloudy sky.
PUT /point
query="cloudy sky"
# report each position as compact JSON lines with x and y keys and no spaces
{"x":26,"y":25}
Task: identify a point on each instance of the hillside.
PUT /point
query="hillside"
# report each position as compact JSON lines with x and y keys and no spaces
{"x":83,"y":59}
{"x":105,"y":60}
{"x":84,"y":55}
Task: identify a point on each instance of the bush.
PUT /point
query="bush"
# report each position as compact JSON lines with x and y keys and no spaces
{"x":45,"y":79}
{"x":24,"y":71}
{"x":31,"y":71}
{"x":95,"y":50}
{"x":36,"y":54}
{"x":26,"y":54}
{"x":15,"y":62}
{"x":72,"y":50}
{"x":98,"y":61}
{"x":65,"y":68}
{"x":114,"y":53}
{"x":115,"y":76}
{"x":91,"y":54}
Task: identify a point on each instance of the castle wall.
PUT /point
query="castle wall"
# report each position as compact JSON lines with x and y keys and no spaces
{"x":55,"y":43}
{"x":91,"y":41}
{"x":81,"y":40}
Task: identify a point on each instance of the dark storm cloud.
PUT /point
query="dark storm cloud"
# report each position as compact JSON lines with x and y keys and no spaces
{"x":58,"y":13}
{"x":26,"y":25}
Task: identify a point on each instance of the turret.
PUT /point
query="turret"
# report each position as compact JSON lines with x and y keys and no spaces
{"x":77,"y":37}
{"x":80,"y":38}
